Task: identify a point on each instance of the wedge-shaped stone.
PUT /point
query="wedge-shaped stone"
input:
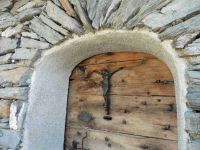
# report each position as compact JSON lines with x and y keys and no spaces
{"x":5,"y":108}
{"x":26,"y":54}
{"x":61,"y":17}
{"x":17,"y":114}
{"x":14,"y":93}
{"x":91,"y":8}
{"x":193,"y":97}
{"x":11,"y":31}
{"x":147,"y":8}
{"x":18,"y":77}
{"x":82,"y":14}
{"x":33,"y":44}
{"x":6,"y":20}
{"x":10,"y":139}
{"x":53,"y":25}
{"x":7,"y":45}
{"x":176,"y":10}
{"x":5,"y":59}
{"x":190,"y":25}
{"x":193,"y":48}
{"x":28,"y":14}
{"x":127,"y":9}
{"x":4,"y":4}
{"x":192,"y":122}
{"x":102,"y":8}
{"x":17,"y":5}
{"x":45,"y":31}
{"x":31,"y":4}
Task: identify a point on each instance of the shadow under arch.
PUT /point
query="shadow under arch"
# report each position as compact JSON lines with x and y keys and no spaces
{"x":45,"y":120}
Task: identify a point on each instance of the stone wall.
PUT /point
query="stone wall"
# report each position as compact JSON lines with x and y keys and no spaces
{"x":28,"y":28}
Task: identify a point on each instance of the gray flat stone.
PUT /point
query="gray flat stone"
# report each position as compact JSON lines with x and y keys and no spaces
{"x":6,"y":20}
{"x":31,"y":4}
{"x":18,"y":77}
{"x":14,"y":93}
{"x":194,"y":145}
{"x":91,"y":8}
{"x":101,"y":10}
{"x":10,"y":138}
{"x":192,"y":122}
{"x":193,"y":97}
{"x":26,"y":54}
{"x":33,"y":44}
{"x":126,"y":11}
{"x":10,"y":66}
{"x":192,"y":49}
{"x":45,"y":31}
{"x":53,"y":25}
{"x":4,"y":4}
{"x":11,"y":31}
{"x":31,"y":35}
{"x":82,"y":15}
{"x":190,"y":25}
{"x":61,"y":17}
{"x":185,"y":39}
{"x":28,"y":14}
{"x":176,"y":10}
{"x":7,"y":45}
{"x":17,"y":114}
{"x":17,"y":5}
{"x":194,"y":74}
{"x":147,"y":8}
{"x":5,"y":59}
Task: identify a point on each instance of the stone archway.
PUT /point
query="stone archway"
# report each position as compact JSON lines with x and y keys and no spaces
{"x":45,"y":124}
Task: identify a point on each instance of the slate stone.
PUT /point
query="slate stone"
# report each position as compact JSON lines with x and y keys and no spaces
{"x":91,"y":8}
{"x":6,"y":20}
{"x":82,"y":15}
{"x":176,"y":10}
{"x":193,"y":97}
{"x":31,"y":35}
{"x":17,"y":115}
{"x":147,"y":8}
{"x":194,"y":144}
{"x":5,"y":59}
{"x":66,"y":5}
{"x":26,"y":54}
{"x":194,"y":67}
{"x":11,"y":31}
{"x":18,"y":77}
{"x":14,"y":93}
{"x":54,"y":26}
{"x":4,"y":109}
{"x":194,"y":74}
{"x":185,"y":39}
{"x":17,"y":5}
{"x":33,"y":44}
{"x":101,"y":10}
{"x":192,"y":122}
{"x":192,"y":49}
{"x":28,"y":14}
{"x":45,"y":31}
{"x":10,"y":138}
{"x":190,"y":25}
{"x":61,"y":17}
{"x":7,"y":45}
{"x":4,"y":4}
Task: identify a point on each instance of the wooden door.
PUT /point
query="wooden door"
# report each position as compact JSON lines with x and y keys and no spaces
{"x":142,"y":104}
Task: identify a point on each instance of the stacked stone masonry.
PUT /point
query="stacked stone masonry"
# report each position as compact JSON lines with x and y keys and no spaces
{"x":30,"y":27}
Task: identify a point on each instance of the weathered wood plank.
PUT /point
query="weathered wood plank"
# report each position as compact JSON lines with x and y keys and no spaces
{"x":101,"y":140}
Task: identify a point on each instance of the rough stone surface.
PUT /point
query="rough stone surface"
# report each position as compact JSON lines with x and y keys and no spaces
{"x":170,"y":14}
{"x":18,"y":77}
{"x":11,"y":31}
{"x":26,"y":54}
{"x":6,"y":20}
{"x":193,"y":97}
{"x":193,"y":48}
{"x":190,"y":25}
{"x":17,"y":114}
{"x":7,"y":45}
{"x":53,"y":25}
{"x":4,"y":4}
{"x":17,"y":5}
{"x":61,"y":17}
{"x":31,"y":43}
{"x":192,"y":122}
{"x":4,"y":108}
{"x":10,"y":139}
{"x":45,"y":31}
{"x":31,"y":35}
{"x":5,"y":59}
{"x":14,"y":93}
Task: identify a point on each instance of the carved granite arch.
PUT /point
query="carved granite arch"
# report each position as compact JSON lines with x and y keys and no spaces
{"x":35,"y":30}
